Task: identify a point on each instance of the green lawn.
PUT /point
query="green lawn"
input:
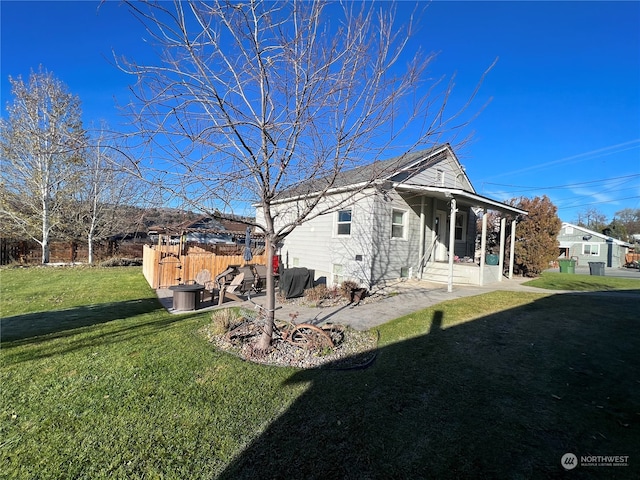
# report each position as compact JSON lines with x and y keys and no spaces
{"x":99,"y":382}
{"x":583,"y":283}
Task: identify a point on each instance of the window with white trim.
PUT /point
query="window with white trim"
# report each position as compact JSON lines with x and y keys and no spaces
{"x":344,"y":222}
{"x":440,"y":178}
{"x":398,"y":223}
{"x":591,"y":249}
{"x":461,"y":226}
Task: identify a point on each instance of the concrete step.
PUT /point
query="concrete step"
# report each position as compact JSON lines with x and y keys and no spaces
{"x":439,"y":272}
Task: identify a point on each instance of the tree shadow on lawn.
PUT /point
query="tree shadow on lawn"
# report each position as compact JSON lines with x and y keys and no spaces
{"x":64,"y":322}
{"x":503,"y":396}
{"x":73,"y":326}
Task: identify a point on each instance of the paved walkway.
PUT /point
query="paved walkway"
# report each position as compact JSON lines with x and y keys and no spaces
{"x":401,"y":299}
{"x":407,"y":297}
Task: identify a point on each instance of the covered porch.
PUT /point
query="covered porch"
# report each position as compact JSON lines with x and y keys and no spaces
{"x":447,"y":250}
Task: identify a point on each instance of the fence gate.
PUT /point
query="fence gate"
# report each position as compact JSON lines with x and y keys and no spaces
{"x":169,"y":271}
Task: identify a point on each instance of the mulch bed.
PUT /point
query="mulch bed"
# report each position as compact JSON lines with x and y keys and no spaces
{"x":355,"y":349}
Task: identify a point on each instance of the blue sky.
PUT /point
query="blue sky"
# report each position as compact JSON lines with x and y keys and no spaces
{"x":564,"y":116}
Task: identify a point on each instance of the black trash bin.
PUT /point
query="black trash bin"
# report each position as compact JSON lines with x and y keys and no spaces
{"x":596,"y":268}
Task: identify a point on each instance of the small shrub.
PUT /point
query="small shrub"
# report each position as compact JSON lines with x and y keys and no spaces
{"x":222,"y":320}
{"x":347,"y":287}
{"x":317,"y":293}
{"x":323,"y":351}
{"x":121,"y":262}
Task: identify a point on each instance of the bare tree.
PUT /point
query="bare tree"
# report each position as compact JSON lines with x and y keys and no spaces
{"x":592,"y":218}
{"x":629,"y":218}
{"x":250,"y":99}
{"x":40,"y":143}
{"x":102,"y":193}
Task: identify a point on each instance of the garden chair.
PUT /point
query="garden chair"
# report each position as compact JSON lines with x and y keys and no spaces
{"x":204,"y":278}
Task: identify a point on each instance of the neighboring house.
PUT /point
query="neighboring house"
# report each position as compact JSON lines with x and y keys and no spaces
{"x":398,"y":227}
{"x":205,"y":230}
{"x":584,"y":245}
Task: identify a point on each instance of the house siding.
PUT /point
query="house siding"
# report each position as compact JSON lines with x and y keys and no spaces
{"x":316,"y":245}
{"x":452,"y":176}
{"x":395,"y":257}
{"x":369,"y":255}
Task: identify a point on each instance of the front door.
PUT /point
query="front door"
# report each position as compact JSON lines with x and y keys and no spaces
{"x":440,"y":229}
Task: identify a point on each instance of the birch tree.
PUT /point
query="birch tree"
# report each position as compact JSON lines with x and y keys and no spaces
{"x":102,"y":193}
{"x":40,"y":141}
{"x":247,"y":99}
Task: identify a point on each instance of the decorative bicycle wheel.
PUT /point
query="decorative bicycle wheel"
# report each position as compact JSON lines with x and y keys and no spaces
{"x":310,"y":337}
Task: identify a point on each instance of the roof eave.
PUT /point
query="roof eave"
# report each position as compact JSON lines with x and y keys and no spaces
{"x":473,"y":197}
{"x":331,"y":191}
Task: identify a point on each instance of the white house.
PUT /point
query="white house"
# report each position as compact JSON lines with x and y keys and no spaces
{"x":584,"y":245}
{"x":399,"y":226}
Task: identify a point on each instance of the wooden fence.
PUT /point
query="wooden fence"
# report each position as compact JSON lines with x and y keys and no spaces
{"x":629,"y":258}
{"x":30,"y":253}
{"x":164,"y":266}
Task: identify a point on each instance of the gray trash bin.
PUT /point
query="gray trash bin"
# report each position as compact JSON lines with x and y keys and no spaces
{"x":596,"y":268}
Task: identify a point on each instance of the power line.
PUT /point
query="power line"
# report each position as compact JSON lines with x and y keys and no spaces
{"x":586,"y":156}
{"x":596,"y":203}
{"x":568,"y":185}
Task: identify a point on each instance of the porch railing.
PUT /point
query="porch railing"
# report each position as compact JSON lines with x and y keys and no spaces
{"x":427,"y":255}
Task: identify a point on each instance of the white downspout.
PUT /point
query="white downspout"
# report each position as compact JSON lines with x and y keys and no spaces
{"x":452,"y":242}
{"x":483,"y":246}
{"x":503,"y":225}
{"x":513,"y":247}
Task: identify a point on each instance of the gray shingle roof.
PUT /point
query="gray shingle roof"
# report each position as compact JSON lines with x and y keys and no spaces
{"x":376,"y":171}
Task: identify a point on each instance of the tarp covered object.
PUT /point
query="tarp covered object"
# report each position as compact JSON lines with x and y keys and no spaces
{"x":294,"y":281}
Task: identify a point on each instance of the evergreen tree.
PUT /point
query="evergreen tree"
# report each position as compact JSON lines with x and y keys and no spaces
{"x":536,"y":235}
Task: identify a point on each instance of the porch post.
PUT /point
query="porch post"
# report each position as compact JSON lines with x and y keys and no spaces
{"x":483,"y":245}
{"x":503,"y":225}
{"x":434,"y":214}
{"x":421,"y":251}
{"x":513,"y":246}
{"x":452,"y":243}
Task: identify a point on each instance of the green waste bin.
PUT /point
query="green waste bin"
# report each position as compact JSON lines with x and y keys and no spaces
{"x":567,"y":266}
{"x":596,"y":268}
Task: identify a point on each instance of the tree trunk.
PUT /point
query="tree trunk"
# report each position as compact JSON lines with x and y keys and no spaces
{"x":45,"y":252}
{"x":90,"y":248}
{"x":45,"y":231}
{"x":264,"y":343}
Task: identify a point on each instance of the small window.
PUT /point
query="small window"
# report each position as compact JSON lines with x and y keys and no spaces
{"x":344,"y":222}
{"x":461,"y":227}
{"x":338,"y":276}
{"x":591,"y":249}
{"x":397,"y":224}
{"x":440,"y":177}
